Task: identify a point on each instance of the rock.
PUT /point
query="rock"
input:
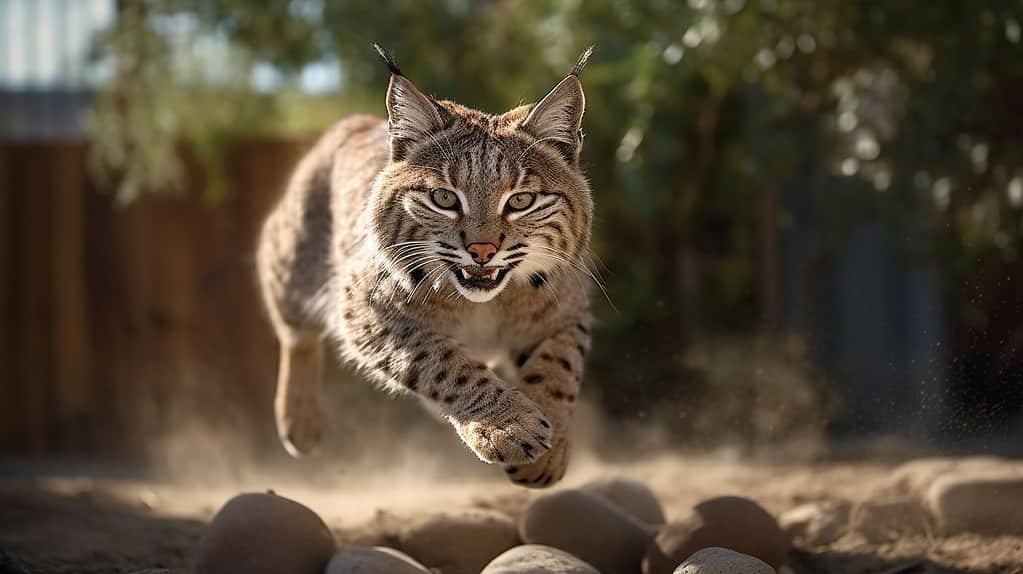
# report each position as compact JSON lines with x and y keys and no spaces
{"x":915,"y":477}
{"x":460,"y":542}
{"x":980,"y":502}
{"x":588,"y":527}
{"x":632,"y":496}
{"x":378,"y":560}
{"x":723,"y":561}
{"x":537,"y":559}
{"x":880,"y":521}
{"x":264,"y":534}
{"x":816,"y":523}
{"x":731,"y":522}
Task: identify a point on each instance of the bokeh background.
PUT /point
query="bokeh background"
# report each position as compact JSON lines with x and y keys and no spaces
{"x":809,"y":214}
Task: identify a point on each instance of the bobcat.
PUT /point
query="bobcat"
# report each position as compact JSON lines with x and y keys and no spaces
{"x":442,"y":251}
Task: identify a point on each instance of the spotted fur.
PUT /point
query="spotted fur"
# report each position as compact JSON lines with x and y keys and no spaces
{"x":360,"y":253}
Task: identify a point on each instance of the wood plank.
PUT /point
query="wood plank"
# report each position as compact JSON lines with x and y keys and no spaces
{"x":34,"y":234}
{"x":9,"y":411}
{"x":69,"y":347}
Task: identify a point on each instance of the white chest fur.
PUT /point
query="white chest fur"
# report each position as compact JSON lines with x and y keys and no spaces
{"x":481,"y":333}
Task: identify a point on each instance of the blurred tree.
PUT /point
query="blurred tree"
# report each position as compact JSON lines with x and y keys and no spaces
{"x":704,"y":120}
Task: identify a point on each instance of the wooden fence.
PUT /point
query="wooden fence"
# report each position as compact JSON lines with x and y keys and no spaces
{"x":112,"y":317}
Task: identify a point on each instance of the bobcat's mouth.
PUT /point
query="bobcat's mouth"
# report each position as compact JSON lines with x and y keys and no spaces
{"x":477,"y":277}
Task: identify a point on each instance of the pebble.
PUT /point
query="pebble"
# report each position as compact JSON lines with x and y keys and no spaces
{"x":979,"y":502}
{"x":731,"y":522}
{"x":378,"y":560}
{"x":816,"y":523}
{"x":537,"y":559}
{"x":880,"y":521}
{"x":632,"y":496}
{"x":460,"y":542}
{"x":264,"y":534}
{"x":723,"y":561}
{"x":588,"y":527}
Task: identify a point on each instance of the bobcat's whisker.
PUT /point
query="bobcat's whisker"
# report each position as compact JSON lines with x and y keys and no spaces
{"x":557,"y":255}
{"x":416,"y":288}
{"x":414,"y":254}
{"x":404,"y":244}
{"x":568,"y":268}
{"x":422,"y":262}
{"x":436,"y":282}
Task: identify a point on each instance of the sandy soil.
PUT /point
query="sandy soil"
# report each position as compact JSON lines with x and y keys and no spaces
{"x":90,"y":521}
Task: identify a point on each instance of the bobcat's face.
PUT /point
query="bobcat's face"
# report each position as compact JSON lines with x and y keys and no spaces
{"x":480,"y":201}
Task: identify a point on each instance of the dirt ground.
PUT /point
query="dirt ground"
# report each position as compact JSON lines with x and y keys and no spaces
{"x":55,"y":518}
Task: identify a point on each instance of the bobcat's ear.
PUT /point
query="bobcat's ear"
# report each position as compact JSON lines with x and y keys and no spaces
{"x":557,"y":118}
{"x":411,"y":115}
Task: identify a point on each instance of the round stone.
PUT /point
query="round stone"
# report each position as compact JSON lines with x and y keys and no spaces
{"x":460,"y":542}
{"x":723,"y":561}
{"x":537,"y":559}
{"x":632,"y":496}
{"x":377,"y":560}
{"x":588,"y":527}
{"x":731,"y":522}
{"x":264,"y":534}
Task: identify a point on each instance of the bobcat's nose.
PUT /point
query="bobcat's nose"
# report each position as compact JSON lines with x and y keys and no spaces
{"x":482,"y":253}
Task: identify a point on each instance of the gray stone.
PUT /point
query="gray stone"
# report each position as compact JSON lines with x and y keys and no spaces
{"x":980,"y":502}
{"x":537,"y":559}
{"x":378,"y":560}
{"x":816,"y":523}
{"x":731,"y":522}
{"x":588,"y":527}
{"x":264,"y":534}
{"x":461,"y":542}
{"x":723,"y":561}
{"x":880,"y":521}
{"x":632,"y":496}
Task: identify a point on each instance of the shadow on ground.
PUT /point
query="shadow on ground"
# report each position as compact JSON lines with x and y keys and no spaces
{"x":89,"y":532}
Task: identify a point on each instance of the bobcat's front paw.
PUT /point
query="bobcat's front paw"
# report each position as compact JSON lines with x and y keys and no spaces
{"x":546,"y":470}
{"x":512,"y":431}
{"x":301,"y":421}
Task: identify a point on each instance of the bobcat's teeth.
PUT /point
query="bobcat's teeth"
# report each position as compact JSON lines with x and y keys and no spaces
{"x":470,"y":273}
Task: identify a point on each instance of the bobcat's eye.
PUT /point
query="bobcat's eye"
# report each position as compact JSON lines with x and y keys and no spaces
{"x":520,"y":201}
{"x":443,"y":198}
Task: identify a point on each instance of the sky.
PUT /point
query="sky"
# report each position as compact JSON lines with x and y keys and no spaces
{"x":44,"y":45}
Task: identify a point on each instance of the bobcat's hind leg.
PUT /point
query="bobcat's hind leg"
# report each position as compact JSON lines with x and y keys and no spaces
{"x":298,"y":404}
{"x":292,"y":262}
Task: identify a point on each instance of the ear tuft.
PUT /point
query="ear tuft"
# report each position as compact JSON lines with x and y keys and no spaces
{"x":580,"y":64}
{"x":388,"y":59}
{"x":557,"y":118}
